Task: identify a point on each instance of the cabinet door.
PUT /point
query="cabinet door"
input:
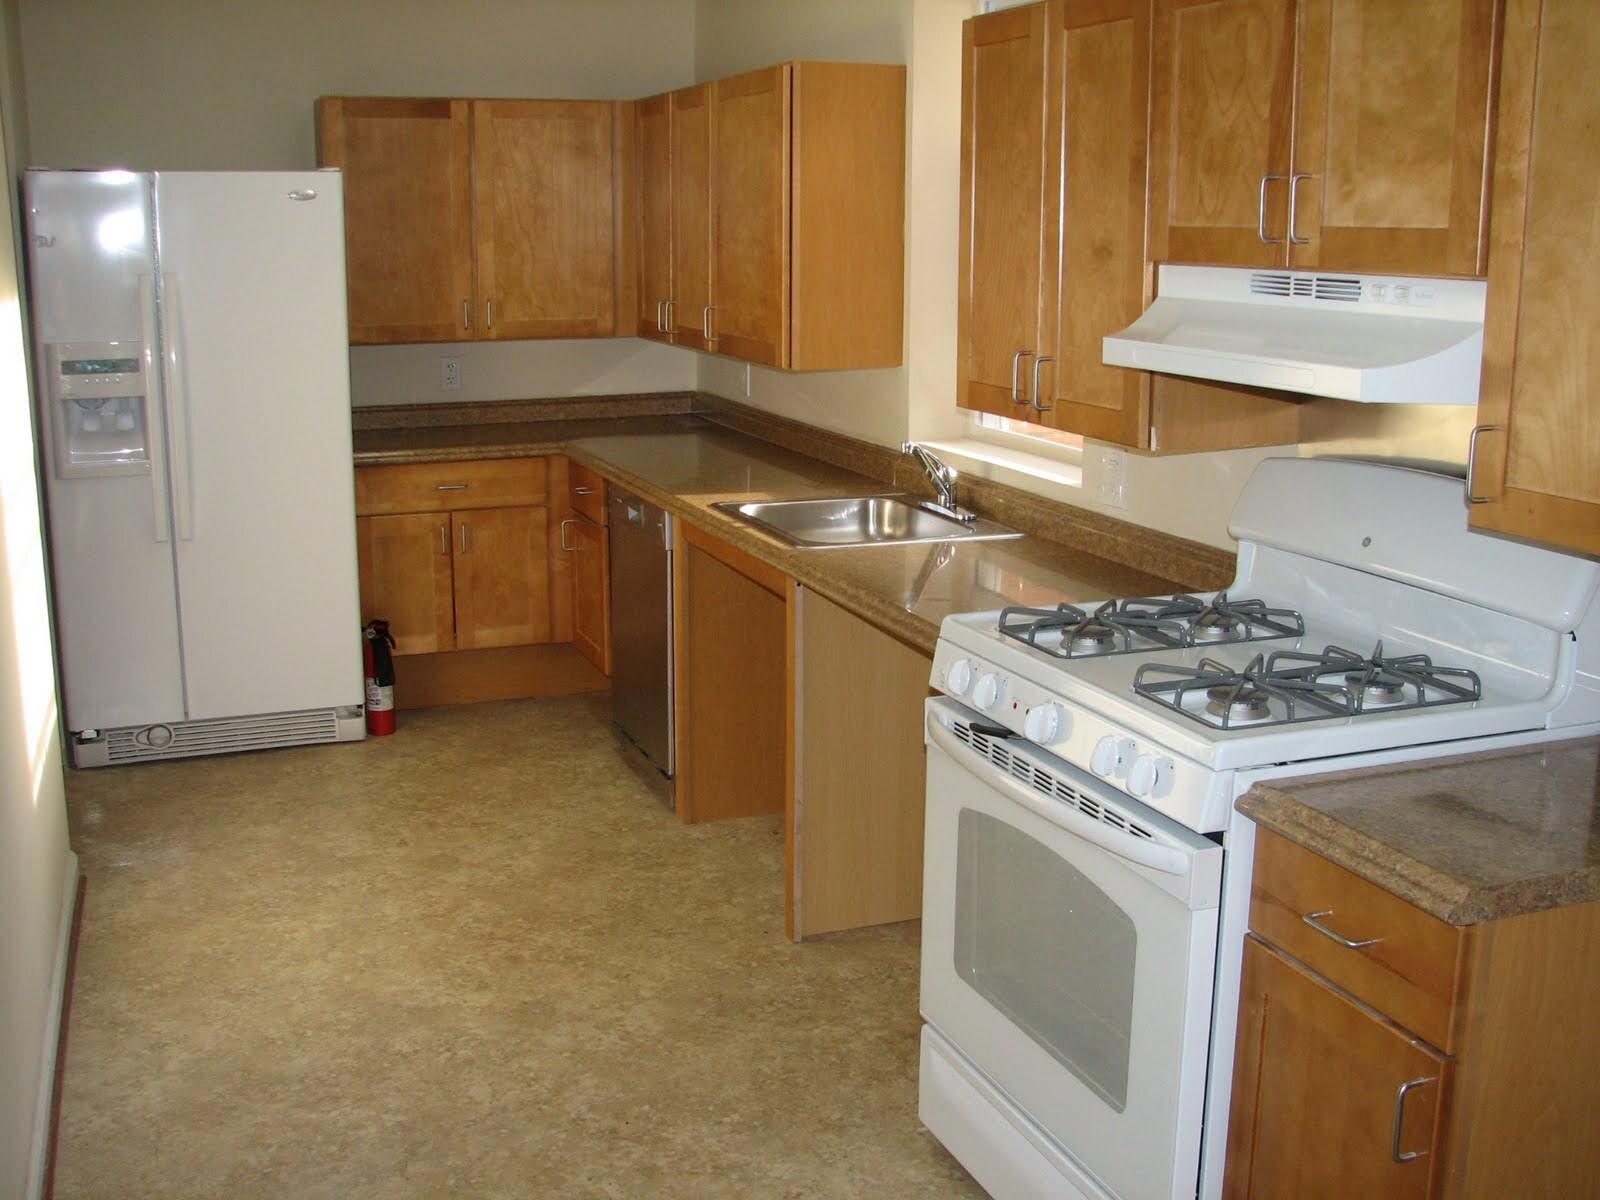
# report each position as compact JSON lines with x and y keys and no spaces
{"x":692,"y":214}
{"x":1003,"y":200}
{"x":408,"y":214}
{"x":1391,"y":136}
{"x":750,"y":183}
{"x":1316,"y":1094}
{"x":404,"y":565}
{"x":502,"y":577}
{"x":1536,"y":458}
{"x":591,"y":590}
{"x":1099,"y":64}
{"x":1222,"y":98}
{"x":653,"y":148}
{"x":543,"y":180}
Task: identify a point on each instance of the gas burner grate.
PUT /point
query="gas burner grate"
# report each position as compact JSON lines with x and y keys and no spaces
{"x":1147,"y":623}
{"x":1292,"y":686}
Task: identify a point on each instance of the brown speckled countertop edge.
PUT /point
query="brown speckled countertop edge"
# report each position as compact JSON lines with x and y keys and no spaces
{"x":1433,"y":891}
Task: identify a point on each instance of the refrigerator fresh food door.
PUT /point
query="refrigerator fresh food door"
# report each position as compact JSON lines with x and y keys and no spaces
{"x":253,"y":311}
{"x":91,"y":275}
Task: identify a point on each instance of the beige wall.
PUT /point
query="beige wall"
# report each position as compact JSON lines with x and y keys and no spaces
{"x":194,"y":84}
{"x":37,"y":870}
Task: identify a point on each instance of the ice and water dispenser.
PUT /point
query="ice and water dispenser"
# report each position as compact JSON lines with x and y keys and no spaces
{"x":100,"y":403}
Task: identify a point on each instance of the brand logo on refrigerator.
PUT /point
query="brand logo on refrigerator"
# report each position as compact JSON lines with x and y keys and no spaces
{"x":44,"y":243}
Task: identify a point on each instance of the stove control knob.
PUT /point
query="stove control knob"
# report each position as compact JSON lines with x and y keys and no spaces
{"x":987,"y":691}
{"x":958,"y":678}
{"x":1044,"y":724}
{"x":1150,"y":776}
{"x":1110,"y":756}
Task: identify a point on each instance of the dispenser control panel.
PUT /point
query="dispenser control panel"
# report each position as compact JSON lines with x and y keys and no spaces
{"x":100,"y":401}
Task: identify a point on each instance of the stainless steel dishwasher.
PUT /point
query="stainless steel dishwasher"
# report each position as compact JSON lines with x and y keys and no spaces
{"x":641,"y":625}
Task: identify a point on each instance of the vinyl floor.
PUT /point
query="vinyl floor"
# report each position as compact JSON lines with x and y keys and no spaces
{"x":478,"y":958}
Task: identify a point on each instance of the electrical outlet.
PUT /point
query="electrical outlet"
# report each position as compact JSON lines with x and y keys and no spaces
{"x":449,"y":374}
{"x":1111,"y":479}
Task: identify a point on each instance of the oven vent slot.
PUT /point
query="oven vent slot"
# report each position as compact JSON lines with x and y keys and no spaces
{"x":1047,"y":782}
{"x":1313,"y":287}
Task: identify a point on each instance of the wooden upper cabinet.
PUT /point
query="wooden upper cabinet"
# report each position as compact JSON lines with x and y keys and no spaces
{"x":1535,"y":468}
{"x":749,"y":314}
{"x":782,"y":199}
{"x":1391,"y":135}
{"x":653,"y":169}
{"x":1221,"y":128}
{"x":407,"y":168}
{"x":1336,"y":134}
{"x":479,"y":219}
{"x":543,"y":181}
{"x":1099,"y":64}
{"x":1003,"y":203}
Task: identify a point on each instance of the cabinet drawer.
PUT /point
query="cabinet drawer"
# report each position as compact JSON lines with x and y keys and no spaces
{"x":1409,"y":969}
{"x":587,"y":492}
{"x":442,"y":487}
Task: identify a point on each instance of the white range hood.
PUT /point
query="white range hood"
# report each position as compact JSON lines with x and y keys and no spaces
{"x":1380,"y":339}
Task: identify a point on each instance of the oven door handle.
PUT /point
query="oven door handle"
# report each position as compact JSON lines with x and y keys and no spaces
{"x":1136,"y":850}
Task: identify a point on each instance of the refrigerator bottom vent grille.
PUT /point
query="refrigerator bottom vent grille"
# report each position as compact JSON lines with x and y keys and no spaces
{"x":223,"y":735}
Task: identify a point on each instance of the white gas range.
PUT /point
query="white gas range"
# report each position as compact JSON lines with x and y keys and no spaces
{"x":1086,"y":875}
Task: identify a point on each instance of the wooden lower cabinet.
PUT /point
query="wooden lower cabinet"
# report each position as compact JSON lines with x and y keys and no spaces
{"x":730,"y":639}
{"x":1336,"y":1092}
{"x":406,"y":579}
{"x":1315,"y":1099}
{"x":591,"y":590}
{"x":502,"y":577}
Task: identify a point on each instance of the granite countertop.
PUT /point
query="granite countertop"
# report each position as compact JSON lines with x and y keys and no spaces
{"x":1472,"y":838}
{"x":685,"y":463}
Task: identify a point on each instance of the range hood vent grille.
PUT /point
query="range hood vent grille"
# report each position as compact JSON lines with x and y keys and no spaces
{"x":1311,"y":287}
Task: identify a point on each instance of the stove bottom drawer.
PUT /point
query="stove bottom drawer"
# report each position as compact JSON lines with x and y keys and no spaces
{"x":1369,"y":942}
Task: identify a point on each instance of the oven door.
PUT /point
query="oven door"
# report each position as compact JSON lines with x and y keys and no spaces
{"x":1068,"y":944}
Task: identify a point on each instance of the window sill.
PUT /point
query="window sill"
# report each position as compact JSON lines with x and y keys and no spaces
{"x":1018,"y":468}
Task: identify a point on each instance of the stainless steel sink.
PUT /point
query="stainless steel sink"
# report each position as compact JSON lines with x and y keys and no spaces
{"x":838,"y":521}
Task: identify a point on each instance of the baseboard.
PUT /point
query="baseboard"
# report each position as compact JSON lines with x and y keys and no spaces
{"x":47,"y":1107}
{"x":506,"y":673}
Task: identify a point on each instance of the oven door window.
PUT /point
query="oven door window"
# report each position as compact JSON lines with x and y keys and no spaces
{"x":1051,"y":951}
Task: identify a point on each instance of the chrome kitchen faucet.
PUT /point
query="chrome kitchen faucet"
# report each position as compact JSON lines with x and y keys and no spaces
{"x":943,"y":478}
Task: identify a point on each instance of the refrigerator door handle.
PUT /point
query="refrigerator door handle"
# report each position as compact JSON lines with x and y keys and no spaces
{"x":155,"y":431}
{"x":177,"y":407}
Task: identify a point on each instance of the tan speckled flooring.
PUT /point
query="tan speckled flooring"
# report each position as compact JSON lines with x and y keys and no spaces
{"x":475,"y":959}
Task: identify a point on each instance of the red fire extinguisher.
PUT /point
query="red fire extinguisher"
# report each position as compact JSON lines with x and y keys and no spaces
{"x":375,"y":647}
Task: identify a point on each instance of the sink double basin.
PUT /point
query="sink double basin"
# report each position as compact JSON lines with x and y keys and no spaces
{"x":837,"y":522}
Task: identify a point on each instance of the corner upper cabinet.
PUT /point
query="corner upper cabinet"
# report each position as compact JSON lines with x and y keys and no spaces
{"x":477,"y":219}
{"x":772,"y":216}
{"x":1535,"y":472}
{"x":1337,"y":134}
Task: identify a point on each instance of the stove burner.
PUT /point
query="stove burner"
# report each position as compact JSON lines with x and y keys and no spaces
{"x":1216,"y":625}
{"x":1092,"y":637}
{"x":1376,"y":690}
{"x":1238,"y":703}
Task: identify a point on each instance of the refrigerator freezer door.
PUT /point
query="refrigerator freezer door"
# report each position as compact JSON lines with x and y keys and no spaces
{"x":263,"y":485}
{"x":91,"y":278}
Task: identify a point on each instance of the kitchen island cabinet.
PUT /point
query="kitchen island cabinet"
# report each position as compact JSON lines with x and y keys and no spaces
{"x":771,"y":216}
{"x":480,"y":219}
{"x":1347,"y":135}
{"x":1466,"y":1064}
{"x":1533,"y":472}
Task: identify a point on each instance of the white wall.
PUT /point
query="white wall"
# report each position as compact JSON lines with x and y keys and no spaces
{"x":191,"y":84}
{"x":37,"y":870}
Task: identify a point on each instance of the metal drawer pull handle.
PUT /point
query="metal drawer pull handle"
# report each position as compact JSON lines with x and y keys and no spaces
{"x":661,"y":308}
{"x":488,"y":314}
{"x":564,"y":524}
{"x":1016,"y":368}
{"x":1400,"y":1115}
{"x":463,"y":537}
{"x":448,"y":487}
{"x":466,"y":314}
{"x":705,"y":322}
{"x":444,"y":537}
{"x":1037,"y":363}
{"x":1294,"y":199}
{"x":583,"y":491}
{"x":1261,"y":211}
{"x":668,"y":327}
{"x":1472,"y":461}
{"x":1311,"y":920}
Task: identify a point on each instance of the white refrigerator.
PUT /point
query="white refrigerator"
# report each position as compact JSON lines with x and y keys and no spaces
{"x":192,"y":384}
